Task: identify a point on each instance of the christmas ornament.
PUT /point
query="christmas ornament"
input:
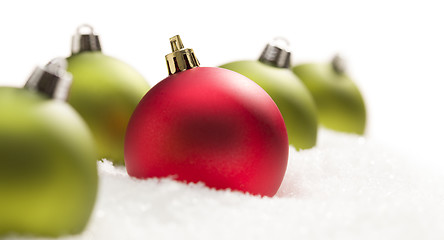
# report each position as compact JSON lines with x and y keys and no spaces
{"x":296,"y":104}
{"x":105,"y":92}
{"x":339,"y":102}
{"x":48,"y":176}
{"x":206,"y":124}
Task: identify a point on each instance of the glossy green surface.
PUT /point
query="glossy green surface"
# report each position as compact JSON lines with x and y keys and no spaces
{"x":48,"y":172}
{"x":290,"y":95}
{"x":339,"y":102}
{"x":105,"y":91}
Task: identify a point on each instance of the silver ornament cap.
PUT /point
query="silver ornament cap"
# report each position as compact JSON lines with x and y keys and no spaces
{"x":52,"y":80}
{"x":85,"y":40}
{"x":338,"y":64}
{"x":276,"y":53}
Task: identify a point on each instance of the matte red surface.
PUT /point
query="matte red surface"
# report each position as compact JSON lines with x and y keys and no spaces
{"x":209,"y":125}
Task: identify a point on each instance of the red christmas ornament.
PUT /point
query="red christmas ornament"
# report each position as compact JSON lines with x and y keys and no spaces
{"x":208,"y":125}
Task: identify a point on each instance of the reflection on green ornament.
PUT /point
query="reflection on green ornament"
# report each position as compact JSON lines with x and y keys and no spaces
{"x":339,"y":102}
{"x":105,"y":91}
{"x":48,"y":172}
{"x":297,"y":107}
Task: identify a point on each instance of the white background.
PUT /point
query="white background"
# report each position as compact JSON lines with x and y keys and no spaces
{"x":394,"y":49}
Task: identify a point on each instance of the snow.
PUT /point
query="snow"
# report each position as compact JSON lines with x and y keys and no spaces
{"x":347,"y":187}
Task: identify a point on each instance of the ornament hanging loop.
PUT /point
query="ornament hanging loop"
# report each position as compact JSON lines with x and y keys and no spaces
{"x":275,"y":54}
{"x":85,"y":42}
{"x":281,"y":42}
{"x":176,"y":43}
{"x":57,"y":66}
{"x":90,"y":29}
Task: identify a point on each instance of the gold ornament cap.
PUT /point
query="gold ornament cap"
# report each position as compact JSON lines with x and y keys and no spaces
{"x":181,"y":58}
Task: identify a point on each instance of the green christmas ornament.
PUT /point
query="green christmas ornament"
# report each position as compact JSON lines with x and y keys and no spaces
{"x":272,"y":73}
{"x":48,"y":176}
{"x":105,"y":91}
{"x":339,"y":102}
